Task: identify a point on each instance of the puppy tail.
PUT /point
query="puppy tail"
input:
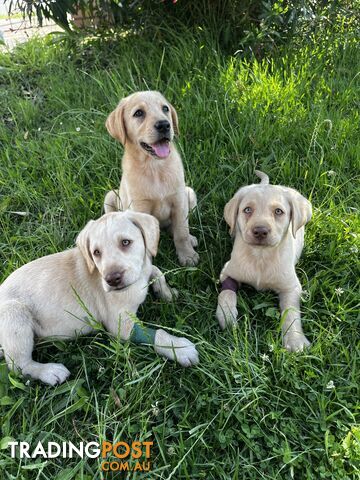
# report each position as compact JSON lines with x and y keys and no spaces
{"x":263,"y":177}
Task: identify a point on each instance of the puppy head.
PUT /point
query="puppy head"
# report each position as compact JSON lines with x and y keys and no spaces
{"x":116,"y":245}
{"x":147,"y":120}
{"x":262,"y":213}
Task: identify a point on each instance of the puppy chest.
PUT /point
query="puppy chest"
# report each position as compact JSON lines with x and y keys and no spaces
{"x":154,"y":182}
{"x":259,"y":275}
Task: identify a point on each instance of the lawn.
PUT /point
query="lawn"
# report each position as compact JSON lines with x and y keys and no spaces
{"x":250,"y":410}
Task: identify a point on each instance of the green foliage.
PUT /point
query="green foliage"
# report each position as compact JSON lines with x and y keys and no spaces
{"x":345,"y":452}
{"x":57,"y":10}
{"x":250,"y":410}
{"x":244,"y":26}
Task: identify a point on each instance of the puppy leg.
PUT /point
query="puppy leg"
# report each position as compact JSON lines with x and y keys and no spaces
{"x":181,"y":234}
{"x":294,"y":339}
{"x":174,"y":348}
{"x":192,"y":201}
{"x":169,"y":346}
{"x":160,"y":287}
{"x":226,"y":311}
{"x":17,"y":341}
{"x":112,"y":201}
{"x":193,"y":239}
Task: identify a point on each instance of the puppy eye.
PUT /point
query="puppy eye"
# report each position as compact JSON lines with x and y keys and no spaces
{"x":139,"y":113}
{"x":165,"y":108}
{"x":247,"y":210}
{"x":96,"y":253}
{"x":125,"y":242}
{"x":278,"y":211}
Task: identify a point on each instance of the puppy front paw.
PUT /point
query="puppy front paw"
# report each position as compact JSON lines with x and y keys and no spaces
{"x":226,"y":311}
{"x":188,"y":257}
{"x":163,"y":291}
{"x":50,"y":373}
{"x":295,"y":342}
{"x":179,"y":349}
{"x":168,"y":294}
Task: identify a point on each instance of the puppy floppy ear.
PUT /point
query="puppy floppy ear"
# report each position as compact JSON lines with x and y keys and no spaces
{"x":301,"y":210}
{"x":115,"y":123}
{"x":83,"y":244}
{"x":150,"y":229}
{"x":175,"y":120}
{"x":231,"y":210}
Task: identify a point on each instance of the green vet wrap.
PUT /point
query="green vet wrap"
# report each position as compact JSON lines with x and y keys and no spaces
{"x":141,"y":334}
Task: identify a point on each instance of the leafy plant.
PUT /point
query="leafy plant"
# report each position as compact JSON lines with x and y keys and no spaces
{"x":255,"y":26}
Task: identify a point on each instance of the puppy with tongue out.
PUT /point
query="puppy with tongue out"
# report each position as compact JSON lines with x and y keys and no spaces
{"x":152,"y":172}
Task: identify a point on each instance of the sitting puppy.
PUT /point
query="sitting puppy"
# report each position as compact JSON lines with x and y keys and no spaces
{"x":267,"y":222}
{"x":108,"y":273}
{"x":152,"y":172}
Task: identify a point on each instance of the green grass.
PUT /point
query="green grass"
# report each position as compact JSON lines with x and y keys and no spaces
{"x":250,"y":410}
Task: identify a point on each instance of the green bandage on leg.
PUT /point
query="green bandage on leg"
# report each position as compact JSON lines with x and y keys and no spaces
{"x":141,"y":334}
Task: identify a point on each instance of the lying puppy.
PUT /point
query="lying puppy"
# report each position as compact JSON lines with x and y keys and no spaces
{"x":152,"y":171}
{"x":267,"y":222}
{"x":109,"y":271}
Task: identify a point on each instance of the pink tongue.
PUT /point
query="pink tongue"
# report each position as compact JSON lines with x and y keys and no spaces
{"x":162,"y":149}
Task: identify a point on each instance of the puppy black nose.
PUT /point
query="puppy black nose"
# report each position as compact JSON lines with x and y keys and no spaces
{"x":162,"y":126}
{"x":260,"y":232}
{"x":114,"y":279}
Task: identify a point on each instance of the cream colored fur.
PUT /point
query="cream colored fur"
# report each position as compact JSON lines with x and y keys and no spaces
{"x":268,"y":263}
{"x":151,"y":184}
{"x":44,"y":298}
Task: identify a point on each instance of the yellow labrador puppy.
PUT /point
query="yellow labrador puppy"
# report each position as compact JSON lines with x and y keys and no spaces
{"x":152,"y":171}
{"x":107,"y":275}
{"x":267,"y":222}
